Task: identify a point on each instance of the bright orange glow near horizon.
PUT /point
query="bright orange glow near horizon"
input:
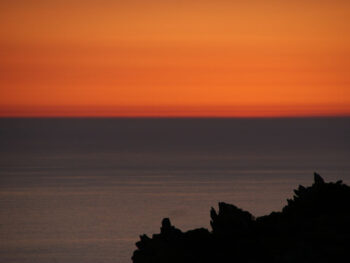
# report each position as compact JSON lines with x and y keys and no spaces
{"x":174,"y":58}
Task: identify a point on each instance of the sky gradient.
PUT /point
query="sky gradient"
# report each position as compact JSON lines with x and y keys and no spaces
{"x":174,"y":58}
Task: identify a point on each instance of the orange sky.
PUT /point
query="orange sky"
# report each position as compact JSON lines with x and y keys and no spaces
{"x":174,"y":58}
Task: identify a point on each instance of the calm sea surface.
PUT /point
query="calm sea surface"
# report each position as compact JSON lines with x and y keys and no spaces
{"x":82,"y":190}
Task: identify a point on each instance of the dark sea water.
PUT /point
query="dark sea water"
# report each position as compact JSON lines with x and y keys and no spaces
{"x":82,"y":190}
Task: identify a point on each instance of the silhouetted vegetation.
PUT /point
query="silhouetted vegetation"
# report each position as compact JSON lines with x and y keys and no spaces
{"x":313,"y":227}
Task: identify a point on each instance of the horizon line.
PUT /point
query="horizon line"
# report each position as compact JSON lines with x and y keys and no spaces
{"x":173,"y":117}
{"x":185,"y":111}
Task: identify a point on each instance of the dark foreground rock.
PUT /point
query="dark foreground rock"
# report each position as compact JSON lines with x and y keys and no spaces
{"x":313,"y":227}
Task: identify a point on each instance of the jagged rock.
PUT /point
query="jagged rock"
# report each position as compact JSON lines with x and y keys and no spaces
{"x":318,"y":179}
{"x":166,"y":225}
{"x":312,"y":227}
{"x":230,"y":220}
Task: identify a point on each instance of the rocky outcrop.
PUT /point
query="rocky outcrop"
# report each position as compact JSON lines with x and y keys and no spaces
{"x":312,"y":227}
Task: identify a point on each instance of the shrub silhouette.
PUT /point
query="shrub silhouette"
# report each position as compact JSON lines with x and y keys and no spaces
{"x":312,"y":227}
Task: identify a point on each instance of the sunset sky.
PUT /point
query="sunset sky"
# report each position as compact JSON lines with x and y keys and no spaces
{"x":174,"y":58}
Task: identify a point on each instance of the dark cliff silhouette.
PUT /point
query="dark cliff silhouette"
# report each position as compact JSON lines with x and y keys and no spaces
{"x":313,"y":227}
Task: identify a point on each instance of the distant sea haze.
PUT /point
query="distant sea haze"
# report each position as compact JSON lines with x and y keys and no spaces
{"x":83,"y":190}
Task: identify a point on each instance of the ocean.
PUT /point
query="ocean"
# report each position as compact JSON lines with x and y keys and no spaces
{"x":83,"y":190}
